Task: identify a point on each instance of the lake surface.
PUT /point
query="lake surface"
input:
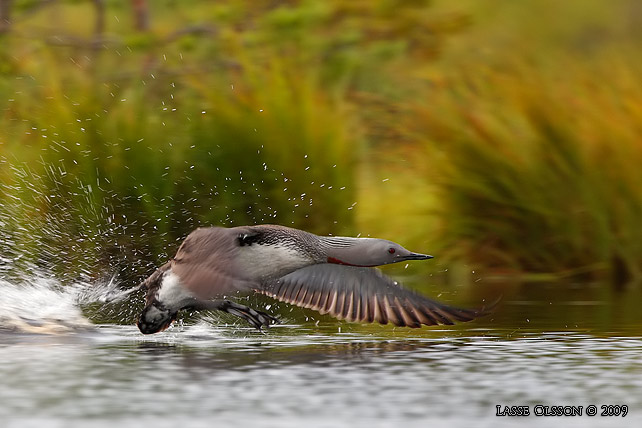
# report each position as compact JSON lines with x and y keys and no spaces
{"x":320,"y":374}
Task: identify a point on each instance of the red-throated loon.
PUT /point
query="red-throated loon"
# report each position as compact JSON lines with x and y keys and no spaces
{"x":333,"y":275}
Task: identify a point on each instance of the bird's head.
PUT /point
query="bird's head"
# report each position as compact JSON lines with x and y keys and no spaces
{"x":368,"y":252}
{"x":155,"y":317}
{"x":383,"y":252}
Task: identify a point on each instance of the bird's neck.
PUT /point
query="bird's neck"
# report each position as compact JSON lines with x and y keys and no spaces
{"x":346,"y":251}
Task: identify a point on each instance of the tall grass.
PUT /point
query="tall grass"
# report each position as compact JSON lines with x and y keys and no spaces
{"x":219,"y":156}
{"x":539,"y":171}
{"x":114,"y":145}
{"x":229,"y":113}
{"x":144,"y":162}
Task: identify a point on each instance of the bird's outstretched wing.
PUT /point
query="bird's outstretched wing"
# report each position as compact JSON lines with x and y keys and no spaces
{"x":362,"y":295}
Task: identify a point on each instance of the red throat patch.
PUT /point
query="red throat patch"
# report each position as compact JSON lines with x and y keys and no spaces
{"x":339,"y":262}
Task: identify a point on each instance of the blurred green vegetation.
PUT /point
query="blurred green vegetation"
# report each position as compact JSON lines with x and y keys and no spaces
{"x":528,"y":142}
{"x":548,"y":180}
{"x":504,"y":135}
{"x":116,"y":142}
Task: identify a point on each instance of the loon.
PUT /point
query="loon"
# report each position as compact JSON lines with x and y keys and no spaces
{"x":330,"y":274}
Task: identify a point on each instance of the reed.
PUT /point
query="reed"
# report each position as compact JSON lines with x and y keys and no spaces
{"x":115,"y":143}
{"x":539,"y":171}
{"x":124,"y":169}
{"x":229,"y":113}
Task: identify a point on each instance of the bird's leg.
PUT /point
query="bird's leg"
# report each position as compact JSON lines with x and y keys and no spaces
{"x":257,"y":318}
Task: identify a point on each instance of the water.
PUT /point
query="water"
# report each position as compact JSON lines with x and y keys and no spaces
{"x":326,"y":374}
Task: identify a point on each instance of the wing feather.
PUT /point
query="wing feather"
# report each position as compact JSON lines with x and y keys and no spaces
{"x":362,"y":295}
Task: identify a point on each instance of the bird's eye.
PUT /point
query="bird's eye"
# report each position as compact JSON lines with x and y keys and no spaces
{"x":391,"y":250}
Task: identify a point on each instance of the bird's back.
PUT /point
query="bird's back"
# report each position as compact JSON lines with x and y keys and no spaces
{"x":214,"y":261}
{"x":206,"y":264}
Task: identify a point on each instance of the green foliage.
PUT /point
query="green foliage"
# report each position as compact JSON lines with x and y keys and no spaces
{"x":115,"y":145}
{"x":211,"y":155}
{"x":539,"y":177}
{"x":518,"y":150}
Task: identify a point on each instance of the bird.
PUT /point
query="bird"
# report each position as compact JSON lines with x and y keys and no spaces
{"x":333,"y":275}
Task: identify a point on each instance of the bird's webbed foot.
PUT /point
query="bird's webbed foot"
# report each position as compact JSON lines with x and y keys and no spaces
{"x":258,"y":319}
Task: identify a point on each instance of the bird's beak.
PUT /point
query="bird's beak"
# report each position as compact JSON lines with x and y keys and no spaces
{"x":415,"y":256}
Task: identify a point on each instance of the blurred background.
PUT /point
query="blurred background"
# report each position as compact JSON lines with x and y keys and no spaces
{"x":504,"y":137}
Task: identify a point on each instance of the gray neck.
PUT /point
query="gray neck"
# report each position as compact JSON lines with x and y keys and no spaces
{"x":348,"y":251}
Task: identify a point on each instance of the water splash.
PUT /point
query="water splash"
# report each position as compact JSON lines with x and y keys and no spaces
{"x":104,"y":293}
{"x":46,"y":306}
{"x":42,"y":306}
